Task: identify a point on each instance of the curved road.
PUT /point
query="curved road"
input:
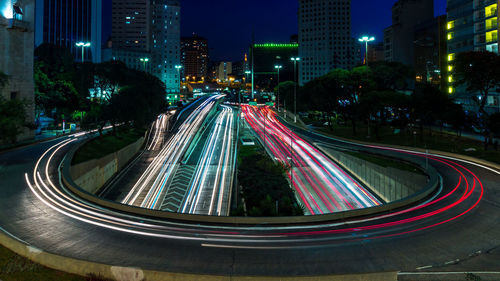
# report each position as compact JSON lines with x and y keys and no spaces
{"x":456,"y":230}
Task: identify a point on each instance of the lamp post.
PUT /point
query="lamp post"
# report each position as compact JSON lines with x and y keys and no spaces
{"x":178,"y":67}
{"x":278,"y":68}
{"x":144,"y":61}
{"x":295,"y":60}
{"x":366,"y":39}
{"x":83,"y":45}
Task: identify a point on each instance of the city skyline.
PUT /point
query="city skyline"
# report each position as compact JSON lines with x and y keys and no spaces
{"x":207,"y":20}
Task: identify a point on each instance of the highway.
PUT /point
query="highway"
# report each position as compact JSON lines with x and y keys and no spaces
{"x":212,"y":182}
{"x":321,"y":185}
{"x":455,"y":230}
{"x":149,"y":190}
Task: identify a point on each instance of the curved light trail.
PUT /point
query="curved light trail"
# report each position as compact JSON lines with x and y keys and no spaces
{"x":152,"y":184}
{"x":322,"y":186}
{"x":214,"y":173}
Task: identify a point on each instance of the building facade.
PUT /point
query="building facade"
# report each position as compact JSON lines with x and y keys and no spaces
{"x":194,"y":57}
{"x":376,"y":52}
{"x":16,"y":55}
{"x":399,"y":37}
{"x":325,"y":41}
{"x":66,"y":22}
{"x":165,"y":45}
{"x":223,"y":71}
{"x":472,"y":26}
{"x":265,"y":58}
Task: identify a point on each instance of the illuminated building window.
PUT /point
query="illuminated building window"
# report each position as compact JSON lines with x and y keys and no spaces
{"x":451,"y":90}
{"x":490,"y":11}
{"x":491,"y":23}
{"x":450,"y":25}
{"x":450,"y":68}
{"x":451,"y":57}
{"x":492,"y":36}
{"x":450,"y":79}
{"x":450,"y":35}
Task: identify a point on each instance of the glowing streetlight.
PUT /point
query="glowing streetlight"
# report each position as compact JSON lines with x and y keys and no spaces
{"x":278,"y":67}
{"x":366,"y":39}
{"x":83,"y":45}
{"x":144,"y":61}
{"x":295,"y":61}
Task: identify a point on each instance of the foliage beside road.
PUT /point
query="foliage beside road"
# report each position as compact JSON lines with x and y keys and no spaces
{"x":106,"y":144}
{"x":264,"y":184}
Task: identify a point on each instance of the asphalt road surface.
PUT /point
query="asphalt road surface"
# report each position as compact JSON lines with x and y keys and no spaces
{"x":455,"y":230}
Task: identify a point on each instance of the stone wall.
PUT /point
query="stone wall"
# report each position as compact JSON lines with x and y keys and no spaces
{"x":93,"y":174}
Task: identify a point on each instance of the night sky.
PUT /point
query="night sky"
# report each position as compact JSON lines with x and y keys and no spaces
{"x":228,"y":24}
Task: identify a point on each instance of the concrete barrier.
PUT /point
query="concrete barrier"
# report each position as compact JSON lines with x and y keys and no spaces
{"x":93,"y":174}
{"x":84,"y":268}
{"x":430,"y":188}
{"x":389,"y":184}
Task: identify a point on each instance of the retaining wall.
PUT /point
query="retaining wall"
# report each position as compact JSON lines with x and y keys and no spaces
{"x":390,"y":184}
{"x":93,"y":174}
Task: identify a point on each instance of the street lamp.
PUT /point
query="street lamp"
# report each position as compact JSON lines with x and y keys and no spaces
{"x":366,"y":39}
{"x":278,"y":67}
{"x":144,"y":61}
{"x":178,"y":67}
{"x":295,"y":60}
{"x":83,"y":45}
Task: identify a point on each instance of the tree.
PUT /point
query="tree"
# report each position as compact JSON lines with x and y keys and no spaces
{"x":479,"y":72}
{"x":12,"y":119}
{"x":391,"y":75}
{"x":4,"y":79}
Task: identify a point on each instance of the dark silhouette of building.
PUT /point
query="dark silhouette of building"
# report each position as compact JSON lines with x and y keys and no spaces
{"x":194,"y":57}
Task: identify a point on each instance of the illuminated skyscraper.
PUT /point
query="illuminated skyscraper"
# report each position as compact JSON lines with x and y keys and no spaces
{"x":194,"y":56}
{"x":66,"y":22}
{"x":325,"y":41}
{"x":166,"y":41}
{"x":472,"y":26}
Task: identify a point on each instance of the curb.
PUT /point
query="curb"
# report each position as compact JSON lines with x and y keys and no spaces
{"x":83,"y":268}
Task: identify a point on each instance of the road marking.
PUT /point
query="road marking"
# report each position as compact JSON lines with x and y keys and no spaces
{"x":424,"y":267}
{"x":452,"y":262}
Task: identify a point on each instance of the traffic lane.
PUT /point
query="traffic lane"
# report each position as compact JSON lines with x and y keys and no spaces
{"x":441,"y":249}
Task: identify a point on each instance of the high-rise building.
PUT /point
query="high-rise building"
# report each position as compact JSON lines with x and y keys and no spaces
{"x":472,"y":26}
{"x":266,"y":56}
{"x":376,"y":52}
{"x":399,"y":38}
{"x":165,"y":46}
{"x":16,"y":55}
{"x":146,"y":36}
{"x":66,"y":22}
{"x":131,"y":33}
{"x":223,"y":70}
{"x":325,"y":41}
{"x":194,"y":57}
{"x":430,"y":52}
{"x":131,"y":24}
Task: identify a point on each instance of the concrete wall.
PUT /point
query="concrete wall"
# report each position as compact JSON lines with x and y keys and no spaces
{"x":93,"y":174}
{"x":388,"y":183}
{"x":17,"y":41}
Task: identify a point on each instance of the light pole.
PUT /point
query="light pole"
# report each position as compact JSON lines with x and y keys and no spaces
{"x":178,"y":67}
{"x":144,"y":61}
{"x":295,"y":60}
{"x":83,"y":45}
{"x":366,"y":39}
{"x":278,"y":67}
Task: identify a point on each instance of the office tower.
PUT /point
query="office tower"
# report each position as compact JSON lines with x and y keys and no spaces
{"x":399,"y":37}
{"x":325,"y":41}
{"x":131,"y":33}
{"x":165,"y":46}
{"x":194,"y":57}
{"x":66,"y":22}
